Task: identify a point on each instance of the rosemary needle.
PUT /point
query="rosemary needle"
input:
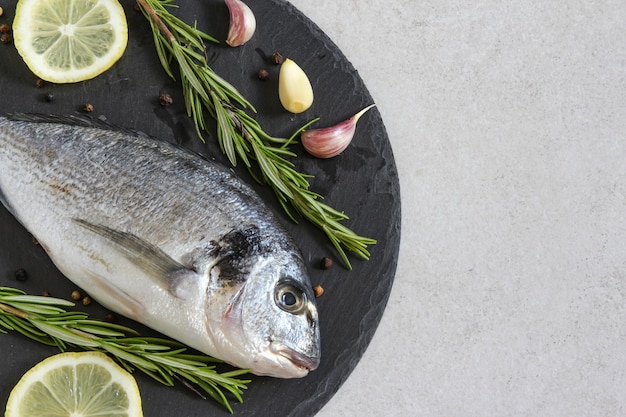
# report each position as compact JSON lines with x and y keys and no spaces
{"x":45,"y":320}
{"x":239,"y":135}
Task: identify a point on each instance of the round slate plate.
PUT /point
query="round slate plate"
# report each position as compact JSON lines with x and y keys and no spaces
{"x":362,"y":181}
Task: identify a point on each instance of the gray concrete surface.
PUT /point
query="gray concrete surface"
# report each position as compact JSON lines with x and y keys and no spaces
{"x":508,"y":123}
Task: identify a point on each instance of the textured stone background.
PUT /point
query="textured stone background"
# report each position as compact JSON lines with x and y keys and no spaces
{"x":508,"y":123}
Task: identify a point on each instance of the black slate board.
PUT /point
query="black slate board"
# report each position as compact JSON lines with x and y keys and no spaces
{"x":363,"y":181}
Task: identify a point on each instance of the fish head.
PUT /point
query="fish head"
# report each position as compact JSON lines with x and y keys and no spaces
{"x":270,"y":324}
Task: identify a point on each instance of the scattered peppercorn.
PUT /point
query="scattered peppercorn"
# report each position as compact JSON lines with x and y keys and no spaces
{"x":277,"y":58}
{"x":20,"y":274}
{"x":4,"y":28}
{"x":318,"y":290}
{"x":46,"y":294}
{"x":76,"y":295}
{"x":110,"y":317}
{"x":86,"y":300}
{"x":49,"y":97}
{"x":88,"y":107}
{"x":165,"y":99}
{"x":6,"y":38}
{"x":263,"y":74}
{"x":326,"y":262}
{"x":40,"y":83}
{"x":35,"y":241}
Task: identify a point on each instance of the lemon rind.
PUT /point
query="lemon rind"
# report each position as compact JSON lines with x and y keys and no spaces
{"x":23,"y":37}
{"x":73,"y":359}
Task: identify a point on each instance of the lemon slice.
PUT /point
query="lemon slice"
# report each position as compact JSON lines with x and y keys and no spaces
{"x":75,"y":385}
{"x":66,"y":41}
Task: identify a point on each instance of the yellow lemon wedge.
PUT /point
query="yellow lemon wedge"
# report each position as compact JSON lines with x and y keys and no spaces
{"x":73,"y":384}
{"x":66,"y":41}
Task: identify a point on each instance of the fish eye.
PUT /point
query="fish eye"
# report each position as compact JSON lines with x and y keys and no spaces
{"x":290,"y":298}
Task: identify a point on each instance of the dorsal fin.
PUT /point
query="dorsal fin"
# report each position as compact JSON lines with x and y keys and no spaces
{"x":89,"y":122}
{"x":71,"y":119}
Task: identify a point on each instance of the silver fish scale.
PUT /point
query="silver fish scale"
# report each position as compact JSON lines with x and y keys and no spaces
{"x":165,"y":237}
{"x":112,"y":176}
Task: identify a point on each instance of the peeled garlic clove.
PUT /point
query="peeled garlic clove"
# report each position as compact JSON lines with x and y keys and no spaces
{"x":294,"y":88}
{"x":242,"y":23}
{"x":331,"y":141}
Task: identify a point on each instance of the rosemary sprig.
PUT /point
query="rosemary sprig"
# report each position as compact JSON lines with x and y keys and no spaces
{"x":239,"y":134}
{"x":45,"y":320}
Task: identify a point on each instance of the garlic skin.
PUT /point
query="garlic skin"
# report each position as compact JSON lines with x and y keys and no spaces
{"x":242,"y":23}
{"x":294,"y":88}
{"x":331,"y":141}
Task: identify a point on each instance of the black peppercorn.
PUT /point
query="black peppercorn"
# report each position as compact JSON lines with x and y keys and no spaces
{"x":277,"y":58}
{"x":110,"y":317}
{"x":4,"y":28}
{"x":326,"y":262}
{"x":165,"y":99}
{"x":88,"y":107}
{"x":318,"y":290}
{"x":6,"y":38}
{"x":263,"y":74}
{"x":20,"y":275}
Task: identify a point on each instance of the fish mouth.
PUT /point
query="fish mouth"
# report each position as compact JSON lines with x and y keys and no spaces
{"x":300,"y":360}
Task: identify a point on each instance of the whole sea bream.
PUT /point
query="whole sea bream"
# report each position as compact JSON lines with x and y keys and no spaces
{"x":163,"y":236}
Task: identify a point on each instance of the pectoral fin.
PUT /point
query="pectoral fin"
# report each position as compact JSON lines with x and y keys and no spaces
{"x":148,"y":257}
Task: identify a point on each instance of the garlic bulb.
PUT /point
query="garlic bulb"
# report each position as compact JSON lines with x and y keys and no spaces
{"x":294,"y":88}
{"x":331,"y":141}
{"x":242,"y":23}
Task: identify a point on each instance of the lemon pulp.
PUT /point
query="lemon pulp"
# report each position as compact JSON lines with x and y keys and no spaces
{"x":64,"y":41}
{"x":75,"y":385}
